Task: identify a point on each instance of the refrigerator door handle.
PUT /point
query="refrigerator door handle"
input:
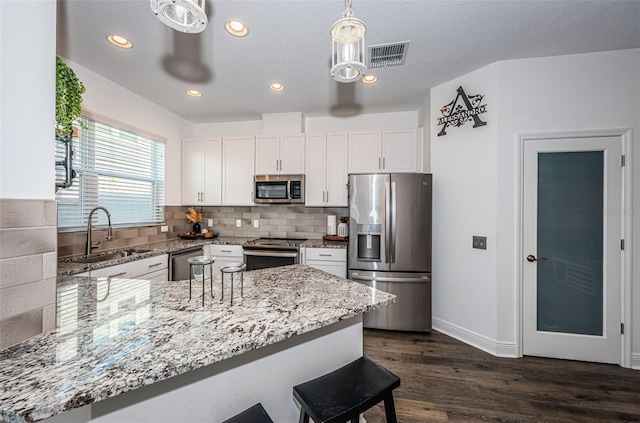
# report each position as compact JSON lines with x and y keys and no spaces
{"x":388,"y":279}
{"x":392,"y":238}
{"x":387,"y":223}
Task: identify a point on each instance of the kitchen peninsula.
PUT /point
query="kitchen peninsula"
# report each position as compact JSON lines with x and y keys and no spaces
{"x":136,"y":350}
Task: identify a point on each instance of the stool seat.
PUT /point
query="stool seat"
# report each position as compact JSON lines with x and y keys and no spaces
{"x":255,"y":414}
{"x":344,"y":394}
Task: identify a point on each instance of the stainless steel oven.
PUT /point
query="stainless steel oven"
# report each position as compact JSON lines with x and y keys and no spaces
{"x":262,"y":253}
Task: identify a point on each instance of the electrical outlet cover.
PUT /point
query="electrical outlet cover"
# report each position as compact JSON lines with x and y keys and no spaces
{"x":238,"y":223}
{"x":210,"y":222}
{"x":480,"y":242}
{"x":256,"y":223}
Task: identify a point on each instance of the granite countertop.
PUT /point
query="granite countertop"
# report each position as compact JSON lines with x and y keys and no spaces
{"x":67,"y":265}
{"x":117,"y":336}
{"x":321,"y":243}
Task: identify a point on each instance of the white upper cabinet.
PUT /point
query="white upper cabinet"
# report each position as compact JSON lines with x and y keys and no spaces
{"x":202,"y":171}
{"x":365,"y":151}
{"x":383,"y":151}
{"x":399,"y":151}
{"x":279,"y":154}
{"x":326,"y":170}
{"x":237,"y":171}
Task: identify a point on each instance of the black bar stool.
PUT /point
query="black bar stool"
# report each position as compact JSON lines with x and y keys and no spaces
{"x":342,"y":395}
{"x":255,"y":414}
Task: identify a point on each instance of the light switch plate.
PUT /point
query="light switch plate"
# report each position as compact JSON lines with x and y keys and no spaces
{"x":238,"y":223}
{"x":256,"y":223}
{"x":164,"y":229}
{"x":480,"y":242}
{"x":209,"y":222}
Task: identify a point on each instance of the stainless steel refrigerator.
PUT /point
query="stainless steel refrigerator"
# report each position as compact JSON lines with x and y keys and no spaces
{"x":390,"y":245}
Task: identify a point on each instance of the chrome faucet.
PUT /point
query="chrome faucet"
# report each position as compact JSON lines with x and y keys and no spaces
{"x":90,"y":245}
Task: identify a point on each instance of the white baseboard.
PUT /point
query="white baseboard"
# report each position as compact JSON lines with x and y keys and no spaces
{"x":491,"y":346}
{"x":635,"y":361}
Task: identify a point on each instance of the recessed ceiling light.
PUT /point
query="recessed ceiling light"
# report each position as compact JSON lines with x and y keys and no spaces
{"x":237,"y":28}
{"x":194,"y":93}
{"x":119,"y":41}
{"x":276,"y":86}
{"x":369,"y":79}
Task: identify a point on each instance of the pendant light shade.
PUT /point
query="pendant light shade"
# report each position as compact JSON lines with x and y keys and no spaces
{"x":181,"y":15}
{"x":348,"y":53}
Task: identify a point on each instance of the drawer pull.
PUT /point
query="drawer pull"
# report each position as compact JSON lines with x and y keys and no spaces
{"x":116,"y":275}
{"x":155,"y":264}
{"x":324,"y":255}
{"x":225,"y":251}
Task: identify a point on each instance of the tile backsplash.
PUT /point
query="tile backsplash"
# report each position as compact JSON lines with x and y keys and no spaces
{"x":28,"y":268}
{"x":275,"y":221}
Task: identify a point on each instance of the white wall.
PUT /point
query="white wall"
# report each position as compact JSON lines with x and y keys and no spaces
{"x":475,"y":180}
{"x":424,"y":122}
{"x":562,"y":93}
{"x":399,"y":120}
{"x":463,"y":163}
{"x":27,"y":100}
{"x":228,"y":129}
{"x":112,"y":100}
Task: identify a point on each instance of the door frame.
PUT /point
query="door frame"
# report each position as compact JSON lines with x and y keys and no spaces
{"x":624,"y":134}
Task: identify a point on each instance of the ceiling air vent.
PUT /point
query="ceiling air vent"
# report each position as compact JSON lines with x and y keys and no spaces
{"x":385,"y":55}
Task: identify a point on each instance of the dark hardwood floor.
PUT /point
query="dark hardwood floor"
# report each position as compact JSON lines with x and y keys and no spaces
{"x":445,"y":380}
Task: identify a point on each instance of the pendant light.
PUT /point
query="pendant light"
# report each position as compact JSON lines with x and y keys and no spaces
{"x":182,"y":15}
{"x":347,"y":60}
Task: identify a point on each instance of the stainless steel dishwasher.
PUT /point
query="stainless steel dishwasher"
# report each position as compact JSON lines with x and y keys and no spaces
{"x":179,"y":268}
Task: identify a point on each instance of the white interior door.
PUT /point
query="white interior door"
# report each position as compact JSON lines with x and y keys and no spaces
{"x":572,"y":261}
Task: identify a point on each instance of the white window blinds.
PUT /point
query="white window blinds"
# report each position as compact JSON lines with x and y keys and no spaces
{"x":116,"y":169}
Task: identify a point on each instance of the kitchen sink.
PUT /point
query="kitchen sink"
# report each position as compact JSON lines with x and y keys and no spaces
{"x":98,"y":257}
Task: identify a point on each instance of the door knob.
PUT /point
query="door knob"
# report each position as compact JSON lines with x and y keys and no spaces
{"x":531,"y":258}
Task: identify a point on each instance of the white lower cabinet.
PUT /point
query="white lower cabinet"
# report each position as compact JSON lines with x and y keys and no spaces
{"x":151,"y":268}
{"x":225,"y":255}
{"x":330,"y":260}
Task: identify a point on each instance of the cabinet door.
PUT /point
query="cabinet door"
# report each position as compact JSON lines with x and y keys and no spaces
{"x":212,"y":159}
{"x":224,"y":254}
{"x":365,"y":152}
{"x":192,"y":171}
{"x":330,"y":260}
{"x":337,"y":173}
{"x":399,"y":151}
{"x":292,"y":154}
{"x":237,"y":171}
{"x":316,"y":168}
{"x":267,"y":154}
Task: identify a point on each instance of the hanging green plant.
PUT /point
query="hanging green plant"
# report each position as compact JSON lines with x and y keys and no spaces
{"x":69,"y":90}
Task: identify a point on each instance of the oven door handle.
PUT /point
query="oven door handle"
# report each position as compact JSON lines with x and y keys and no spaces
{"x":269,"y":253}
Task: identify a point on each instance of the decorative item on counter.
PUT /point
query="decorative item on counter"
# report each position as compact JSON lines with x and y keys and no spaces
{"x":343,"y":229}
{"x":195,"y":218}
{"x":331,"y":224}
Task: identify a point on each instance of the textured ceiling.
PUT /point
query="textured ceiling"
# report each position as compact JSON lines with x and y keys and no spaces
{"x":289,"y":42}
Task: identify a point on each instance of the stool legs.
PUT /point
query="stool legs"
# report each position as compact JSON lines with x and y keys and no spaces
{"x":390,"y":409}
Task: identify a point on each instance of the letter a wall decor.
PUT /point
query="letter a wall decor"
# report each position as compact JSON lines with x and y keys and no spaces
{"x":457,"y":114}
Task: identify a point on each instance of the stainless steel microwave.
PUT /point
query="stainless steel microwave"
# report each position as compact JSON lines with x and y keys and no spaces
{"x":279,"y":189}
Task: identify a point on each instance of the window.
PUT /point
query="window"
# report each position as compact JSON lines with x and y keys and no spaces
{"x":117,"y":169}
